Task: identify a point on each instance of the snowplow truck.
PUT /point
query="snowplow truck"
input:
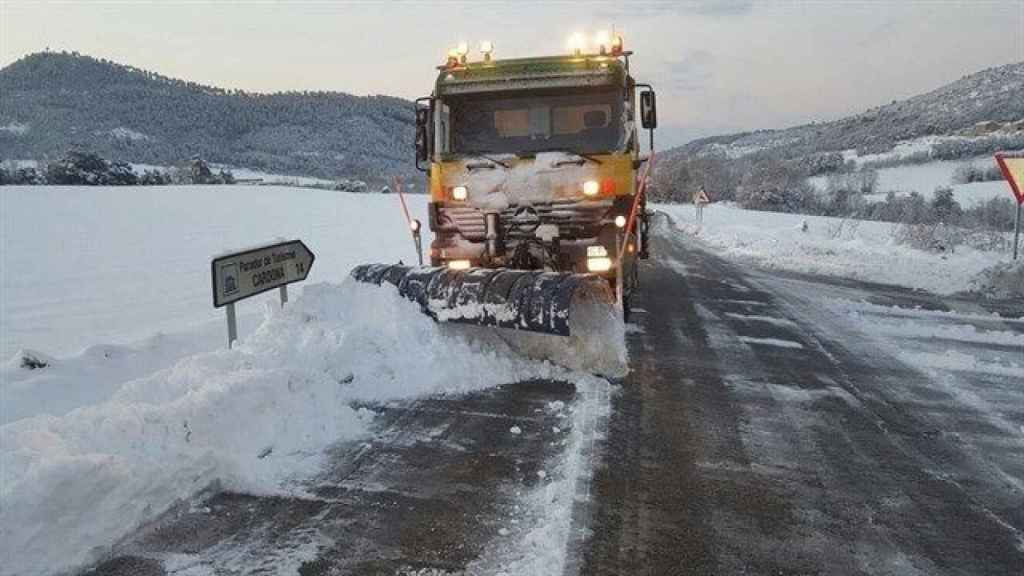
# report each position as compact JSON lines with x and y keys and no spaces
{"x":535,"y":173}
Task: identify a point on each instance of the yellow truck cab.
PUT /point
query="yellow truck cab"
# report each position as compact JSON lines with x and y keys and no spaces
{"x":533,"y":163}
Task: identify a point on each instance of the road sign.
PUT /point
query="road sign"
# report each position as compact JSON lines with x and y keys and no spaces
{"x":1012,"y":165}
{"x":244,"y":274}
{"x":252,"y":272}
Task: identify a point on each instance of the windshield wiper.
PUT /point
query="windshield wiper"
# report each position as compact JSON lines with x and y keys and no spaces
{"x":485,"y":156}
{"x":574,"y":153}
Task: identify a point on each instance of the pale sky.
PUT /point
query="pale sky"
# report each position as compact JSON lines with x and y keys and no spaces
{"x":717,"y":66}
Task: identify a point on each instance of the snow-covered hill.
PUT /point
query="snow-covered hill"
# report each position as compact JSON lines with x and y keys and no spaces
{"x":53,"y":102}
{"x":982,"y":106}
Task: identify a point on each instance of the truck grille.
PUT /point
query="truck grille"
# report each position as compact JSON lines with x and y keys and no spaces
{"x":574,"y":218}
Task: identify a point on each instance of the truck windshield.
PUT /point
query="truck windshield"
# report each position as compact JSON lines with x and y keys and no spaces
{"x":584,"y":121}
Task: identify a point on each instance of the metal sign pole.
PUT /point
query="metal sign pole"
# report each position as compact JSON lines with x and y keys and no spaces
{"x":284,"y":295}
{"x":232,"y":326}
{"x":419,"y":245}
{"x":619,"y":240}
{"x":1016,"y":231}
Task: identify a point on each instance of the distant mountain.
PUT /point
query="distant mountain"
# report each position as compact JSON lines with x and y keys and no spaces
{"x":986,"y":105}
{"x":53,"y":102}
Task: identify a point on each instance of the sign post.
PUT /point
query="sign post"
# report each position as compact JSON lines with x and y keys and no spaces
{"x":241,"y":275}
{"x":700,"y":199}
{"x":1016,"y":233}
{"x":1012,"y":166}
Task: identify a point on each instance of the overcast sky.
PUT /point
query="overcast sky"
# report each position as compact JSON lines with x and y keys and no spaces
{"x":717,"y":66}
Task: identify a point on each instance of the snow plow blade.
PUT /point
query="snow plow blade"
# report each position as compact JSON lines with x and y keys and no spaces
{"x":533,"y":301}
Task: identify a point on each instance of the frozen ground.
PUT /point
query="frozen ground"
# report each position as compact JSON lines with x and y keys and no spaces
{"x":831,"y":246}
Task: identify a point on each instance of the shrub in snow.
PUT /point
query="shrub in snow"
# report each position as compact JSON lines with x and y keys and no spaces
{"x":938,"y":238}
{"x":945,"y":207}
{"x":86,"y":168}
{"x":993,"y":214}
{"x":346,"y":185}
{"x":32,"y":360}
{"x":799,"y":199}
{"x":968,"y":173}
{"x":15,"y":175}
{"x":1001,"y":281}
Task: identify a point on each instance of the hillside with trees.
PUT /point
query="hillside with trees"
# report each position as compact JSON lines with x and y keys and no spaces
{"x":55,"y":102}
{"x":977,"y":114}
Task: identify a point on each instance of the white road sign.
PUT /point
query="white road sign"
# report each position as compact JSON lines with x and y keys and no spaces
{"x":243,"y":274}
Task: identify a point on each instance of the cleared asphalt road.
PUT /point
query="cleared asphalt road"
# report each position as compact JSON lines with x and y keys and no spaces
{"x":772,"y":424}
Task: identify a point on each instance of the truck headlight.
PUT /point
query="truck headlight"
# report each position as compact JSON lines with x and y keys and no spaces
{"x":596,"y":251}
{"x":460,"y":193}
{"x":603,"y":264}
{"x":591,"y":188}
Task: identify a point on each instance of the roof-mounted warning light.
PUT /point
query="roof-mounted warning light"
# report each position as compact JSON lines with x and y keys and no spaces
{"x":602,"y":44}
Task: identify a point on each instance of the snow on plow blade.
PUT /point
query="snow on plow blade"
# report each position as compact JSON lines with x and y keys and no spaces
{"x":532,"y":301}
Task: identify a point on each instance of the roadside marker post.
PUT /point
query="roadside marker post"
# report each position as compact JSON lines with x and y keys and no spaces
{"x":244,"y":274}
{"x":700,"y":199}
{"x":1012,"y":166}
{"x":414,"y":224}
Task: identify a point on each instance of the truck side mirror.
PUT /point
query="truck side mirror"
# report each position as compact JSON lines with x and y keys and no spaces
{"x":648,"y":110}
{"x":422,"y":135}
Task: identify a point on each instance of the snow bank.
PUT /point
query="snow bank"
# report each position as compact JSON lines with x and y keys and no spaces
{"x":255,"y":419}
{"x":97,"y":372}
{"x":540,"y":536}
{"x":1004,"y":280}
{"x":596,"y":343}
{"x":848,"y":248}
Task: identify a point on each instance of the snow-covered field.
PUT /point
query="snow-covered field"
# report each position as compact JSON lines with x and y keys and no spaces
{"x":116,"y":265}
{"x":142,"y":404}
{"x":831,"y":246}
{"x":925,"y":178}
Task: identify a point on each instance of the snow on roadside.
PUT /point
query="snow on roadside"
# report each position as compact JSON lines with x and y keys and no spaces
{"x":256,"y":418}
{"x":542,"y":539}
{"x":1004,"y":280}
{"x":96,"y":373}
{"x":862,"y":250}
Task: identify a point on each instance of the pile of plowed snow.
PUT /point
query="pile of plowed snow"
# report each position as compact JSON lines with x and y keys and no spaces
{"x":847,"y":248}
{"x":1005,"y":280}
{"x":255,"y":419}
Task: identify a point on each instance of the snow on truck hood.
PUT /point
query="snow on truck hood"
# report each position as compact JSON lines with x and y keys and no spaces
{"x":525,"y":181}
